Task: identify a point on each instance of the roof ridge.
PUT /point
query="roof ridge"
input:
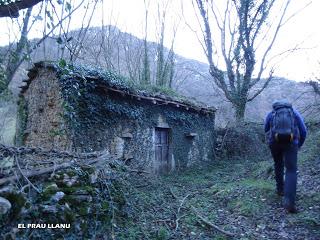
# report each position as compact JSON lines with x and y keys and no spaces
{"x":117,"y":83}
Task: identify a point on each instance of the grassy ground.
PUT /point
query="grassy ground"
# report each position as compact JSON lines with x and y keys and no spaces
{"x":237,"y":196}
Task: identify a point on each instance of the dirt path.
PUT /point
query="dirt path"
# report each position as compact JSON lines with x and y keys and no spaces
{"x":238,"y":197}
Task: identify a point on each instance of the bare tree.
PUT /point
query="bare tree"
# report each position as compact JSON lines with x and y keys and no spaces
{"x":108,"y":47}
{"x":20,"y":51}
{"x":165,"y":69}
{"x":315,"y":84}
{"x":146,"y":72}
{"x":315,"y":107}
{"x":2,"y":76}
{"x":17,"y":56}
{"x":102,"y":47}
{"x":135,"y":59}
{"x":109,"y":42}
{"x":74,"y":44}
{"x":242,"y":29}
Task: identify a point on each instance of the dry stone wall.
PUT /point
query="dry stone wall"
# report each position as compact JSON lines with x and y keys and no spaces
{"x":44,"y":123}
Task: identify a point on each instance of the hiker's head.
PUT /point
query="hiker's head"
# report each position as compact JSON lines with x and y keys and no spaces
{"x":281,"y":103}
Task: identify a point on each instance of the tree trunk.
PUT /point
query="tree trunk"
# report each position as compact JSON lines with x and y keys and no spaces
{"x":18,"y":55}
{"x":146,"y":73}
{"x":240,"y":108}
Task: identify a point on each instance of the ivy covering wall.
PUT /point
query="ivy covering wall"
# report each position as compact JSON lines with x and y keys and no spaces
{"x":96,"y":117}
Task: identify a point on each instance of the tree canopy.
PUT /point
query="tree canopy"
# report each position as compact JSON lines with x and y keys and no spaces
{"x":9,"y":8}
{"x":239,"y":31}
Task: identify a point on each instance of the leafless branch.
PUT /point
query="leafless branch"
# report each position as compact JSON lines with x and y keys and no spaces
{"x":262,"y":66}
{"x":238,"y":27}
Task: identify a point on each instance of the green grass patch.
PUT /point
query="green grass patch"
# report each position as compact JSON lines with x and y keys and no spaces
{"x":311,"y":149}
{"x":247,"y":206}
{"x":131,"y":232}
{"x":261,"y":185}
{"x":256,"y":187}
{"x":263,"y":169}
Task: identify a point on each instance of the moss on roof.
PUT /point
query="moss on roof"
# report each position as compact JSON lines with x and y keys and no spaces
{"x":110,"y":79}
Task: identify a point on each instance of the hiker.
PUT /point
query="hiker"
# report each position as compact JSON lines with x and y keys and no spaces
{"x":286,"y":133}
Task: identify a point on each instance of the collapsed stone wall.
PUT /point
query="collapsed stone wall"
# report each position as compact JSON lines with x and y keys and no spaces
{"x":63,"y":195}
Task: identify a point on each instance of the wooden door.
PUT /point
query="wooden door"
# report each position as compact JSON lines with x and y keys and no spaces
{"x":162,"y":150}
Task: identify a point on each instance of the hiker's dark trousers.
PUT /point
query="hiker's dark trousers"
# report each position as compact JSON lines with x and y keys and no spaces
{"x":286,"y":156}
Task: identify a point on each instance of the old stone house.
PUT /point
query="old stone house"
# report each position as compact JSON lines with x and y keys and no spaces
{"x":84,"y":109}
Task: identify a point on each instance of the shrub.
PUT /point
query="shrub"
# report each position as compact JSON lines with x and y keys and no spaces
{"x":244,"y":140}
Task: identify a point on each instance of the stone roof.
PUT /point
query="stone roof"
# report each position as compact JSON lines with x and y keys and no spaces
{"x":108,"y":81}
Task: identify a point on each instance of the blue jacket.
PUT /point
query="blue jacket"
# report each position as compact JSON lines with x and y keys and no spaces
{"x":300,"y":132}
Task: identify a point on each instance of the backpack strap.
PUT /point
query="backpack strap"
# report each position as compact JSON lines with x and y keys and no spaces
{"x":295,"y":125}
{"x":274,"y":112}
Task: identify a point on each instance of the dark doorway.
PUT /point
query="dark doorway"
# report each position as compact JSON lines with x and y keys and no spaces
{"x":162,"y":150}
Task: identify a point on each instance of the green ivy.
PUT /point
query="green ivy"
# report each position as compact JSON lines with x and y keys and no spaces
{"x":88,"y":109}
{"x":23,"y":116}
{"x":3,"y":85}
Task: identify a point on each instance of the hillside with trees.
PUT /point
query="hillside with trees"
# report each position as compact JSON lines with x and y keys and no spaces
{"x":108,"y":134}
{"x":190,"y":78}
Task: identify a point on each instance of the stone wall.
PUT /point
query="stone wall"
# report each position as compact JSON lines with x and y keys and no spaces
{"x":75,"y":113}
{"x":132,"y":138}
{"x":40,"y":117}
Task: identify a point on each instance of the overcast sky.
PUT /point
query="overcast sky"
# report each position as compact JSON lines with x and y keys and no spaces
{"x":300,"y":65}
{"x":129,"y":16}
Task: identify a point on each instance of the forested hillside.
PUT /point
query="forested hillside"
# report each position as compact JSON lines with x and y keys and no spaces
{"x":123,"y":54}
{"x":106,"y":132}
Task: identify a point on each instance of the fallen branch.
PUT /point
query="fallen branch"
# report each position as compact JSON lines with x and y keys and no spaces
{"x":178,"y":217}
{"x":137,"y":171}
{"x":162,"y":220}
{"x":142,"y":185}
{"x":28,"y":174}
{"x":207,"y":222}
{"x":38,"y":172}
{"x":172,"y":193}
{"x":6,"y":151}
{"x":25,"y":177}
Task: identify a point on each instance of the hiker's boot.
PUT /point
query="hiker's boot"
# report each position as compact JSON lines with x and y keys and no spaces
{"x":289,"y":207}
{"x":280,"y":193}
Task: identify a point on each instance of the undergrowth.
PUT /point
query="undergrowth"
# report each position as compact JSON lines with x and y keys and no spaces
{"x":236,"y":195}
